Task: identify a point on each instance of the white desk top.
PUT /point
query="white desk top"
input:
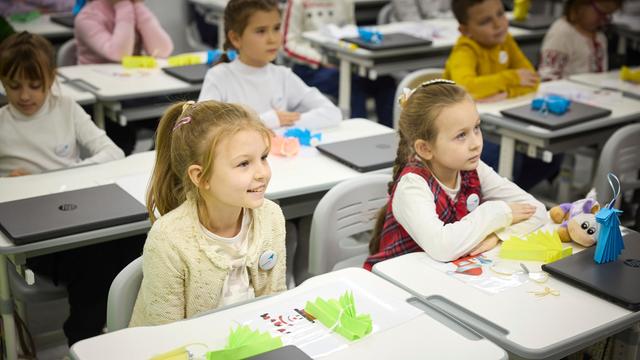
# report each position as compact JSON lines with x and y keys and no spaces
{"x":400,"y":329}
{"x":443,"y":32}
{"x":305,"y":173}
{"x":212,"y":4}
{"x":61,"y":87}
{"x":43,"y":26}
{"x":608,"y":80}
{"x":113,"y":82}
{"x":518,"y":321}
{"x":623,"y":109}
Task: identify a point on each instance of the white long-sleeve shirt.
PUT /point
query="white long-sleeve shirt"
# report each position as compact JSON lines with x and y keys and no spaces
{"x":309,"y":15}
{"x":414,"y":208}
{"x":267,"y":89}
{"x":51,"y":138}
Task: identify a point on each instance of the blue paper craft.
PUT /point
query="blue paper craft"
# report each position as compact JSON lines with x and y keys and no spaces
{"x":610,"y":242}
{"x":214,"y":55}
{"x":370,"y":35}
{"x":303,"y":135}
{"x":554,"y":104}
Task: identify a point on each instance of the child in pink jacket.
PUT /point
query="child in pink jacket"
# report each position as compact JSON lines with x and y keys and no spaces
{"x":107,"y":30}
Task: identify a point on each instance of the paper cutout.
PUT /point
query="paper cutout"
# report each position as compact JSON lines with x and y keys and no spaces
{"x":305,"y":136}
{"x":538,"y":246}
{"x":243,"y":343}
{"x":340,"y":316}
{"x":521,"y":9}
{"x":285,"y":146}
{"x":24,"y":17}
{"x":610,"y":243}
{"x":187,"y":352}
{"x":130,"y":62}
{"x":185,"y":59}
{"x":627,"y":74}
{"x":547,"y":291}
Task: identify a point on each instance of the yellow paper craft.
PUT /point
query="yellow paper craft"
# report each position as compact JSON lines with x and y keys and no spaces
{"x":131,"y":62}
{"x":627,"y":74}
{"x":538,"y":246}
{"x":521,"y":9}
{"x":185,"y":59}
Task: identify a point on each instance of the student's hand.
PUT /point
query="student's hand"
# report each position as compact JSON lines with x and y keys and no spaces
{"x":287,"y":118}
{"x":485,"y":245}
{"x":521,"y":212}
{"x":528,"y":77}
{"x":18,"y":172}
{"x":493,"y":98}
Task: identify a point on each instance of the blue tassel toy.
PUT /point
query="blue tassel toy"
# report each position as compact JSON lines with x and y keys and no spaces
{"x":610,"y":243}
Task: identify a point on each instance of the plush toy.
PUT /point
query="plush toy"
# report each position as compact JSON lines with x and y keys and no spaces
{"x":578,"y":220}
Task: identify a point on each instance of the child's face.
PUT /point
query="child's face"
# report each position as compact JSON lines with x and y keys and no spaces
{"x":486,"y":23}
{"x":593,"y":16}
{"x":259,"y":42}
{"x":241,"y":172}
{"x":459,"y":141}
{"x":27,"y":96}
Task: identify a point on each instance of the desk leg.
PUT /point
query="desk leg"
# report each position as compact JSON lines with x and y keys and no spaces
{"x":344,"y":100}
{"x":6,"y":309}
{"x":98,"y":115}
{"x":507,"y":154}
{"x":221,"y":37}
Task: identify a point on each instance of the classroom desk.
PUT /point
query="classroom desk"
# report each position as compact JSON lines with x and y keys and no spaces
{"x":63,"y":88}
{"x":401,"y":329}
{"x":43,"y":25}
{"x":608,"y":80}
{"x":518,"y":321}
{"x":111,"y":84}
{"x":373,"y":63}
{"x":536,"y":139}
{"x":297,"y":183}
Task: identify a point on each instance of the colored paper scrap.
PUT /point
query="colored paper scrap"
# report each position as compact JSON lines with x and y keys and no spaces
{"x":610,"y":243}
{"x":340,"y":316}
{"x":538,"y":246}
{"x":244,"y":342}
{"x":138,"y":61}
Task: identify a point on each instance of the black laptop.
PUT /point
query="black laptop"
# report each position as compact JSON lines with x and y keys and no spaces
{"x":533,"y":22}
{"x":617,"y":281}
{"x":50,"y":216}
{"x":193,"y":74}
{"x":390,"y":41}
{"x":63,"y":19}
{"x":364,"y":154}
{"x":287,"y":352}
{"x":578,"y":112}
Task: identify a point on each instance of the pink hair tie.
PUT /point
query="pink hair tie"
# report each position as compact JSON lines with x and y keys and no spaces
{"x":184,"y":120}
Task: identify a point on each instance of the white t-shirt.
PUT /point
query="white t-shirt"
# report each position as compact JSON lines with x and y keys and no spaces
{"x":237,"y":286}
{"x":51,"y":138}
{"x":414,"y":208}
{"x":269,"y":88}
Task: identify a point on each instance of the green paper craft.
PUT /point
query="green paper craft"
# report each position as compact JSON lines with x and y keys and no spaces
{"x":25,"y":16}
{"x":538,"y":246}
{"x":243,"y":343}
{"x":340,"y":316}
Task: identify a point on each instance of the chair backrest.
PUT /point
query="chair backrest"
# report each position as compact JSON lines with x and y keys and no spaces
{"x":410,"y":81}
{"x":122,"y":295}
{"x":67,"y":54}
{"x":177,"y":20}
{"x":349,"y":208}
{"x":386,"y":15}
{"x":620,"y":155}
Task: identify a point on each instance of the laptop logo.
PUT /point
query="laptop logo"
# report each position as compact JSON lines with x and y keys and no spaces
{"x":67,"y":207}
{"x":635,"y":263}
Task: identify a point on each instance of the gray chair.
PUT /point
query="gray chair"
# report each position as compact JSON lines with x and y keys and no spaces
{"x":177,"y":21}
{"x":386,"y":15}
{"x":621,"y":156}
{"x":410,"y":81}
{"x":122,"y":295}
{"x":342,"y":221}
{"x":67,"y":53}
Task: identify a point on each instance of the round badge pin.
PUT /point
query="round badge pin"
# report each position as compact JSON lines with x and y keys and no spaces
{"x":472,"y":202}
{"x":503,"y":57}
{"x":268,"y":260}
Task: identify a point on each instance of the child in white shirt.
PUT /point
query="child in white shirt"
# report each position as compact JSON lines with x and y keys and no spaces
{"x":252,"y":28}
{"x":443,"y":199}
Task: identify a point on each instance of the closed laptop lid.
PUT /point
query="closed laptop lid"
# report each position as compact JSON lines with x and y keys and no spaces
{"x":390,"y":41}
{"x":64,"y":19}
{"x":533,"y":22}
{"x":578,"y":112}
{"x":287,"y":352}
{"x":364,"y":154}
{"x":55,"y":215}
{"x":192,"y":74}
{"x":617,"y":281}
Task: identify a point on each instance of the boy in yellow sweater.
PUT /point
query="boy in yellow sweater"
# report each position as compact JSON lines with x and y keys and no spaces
{"x":486,"y":60}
